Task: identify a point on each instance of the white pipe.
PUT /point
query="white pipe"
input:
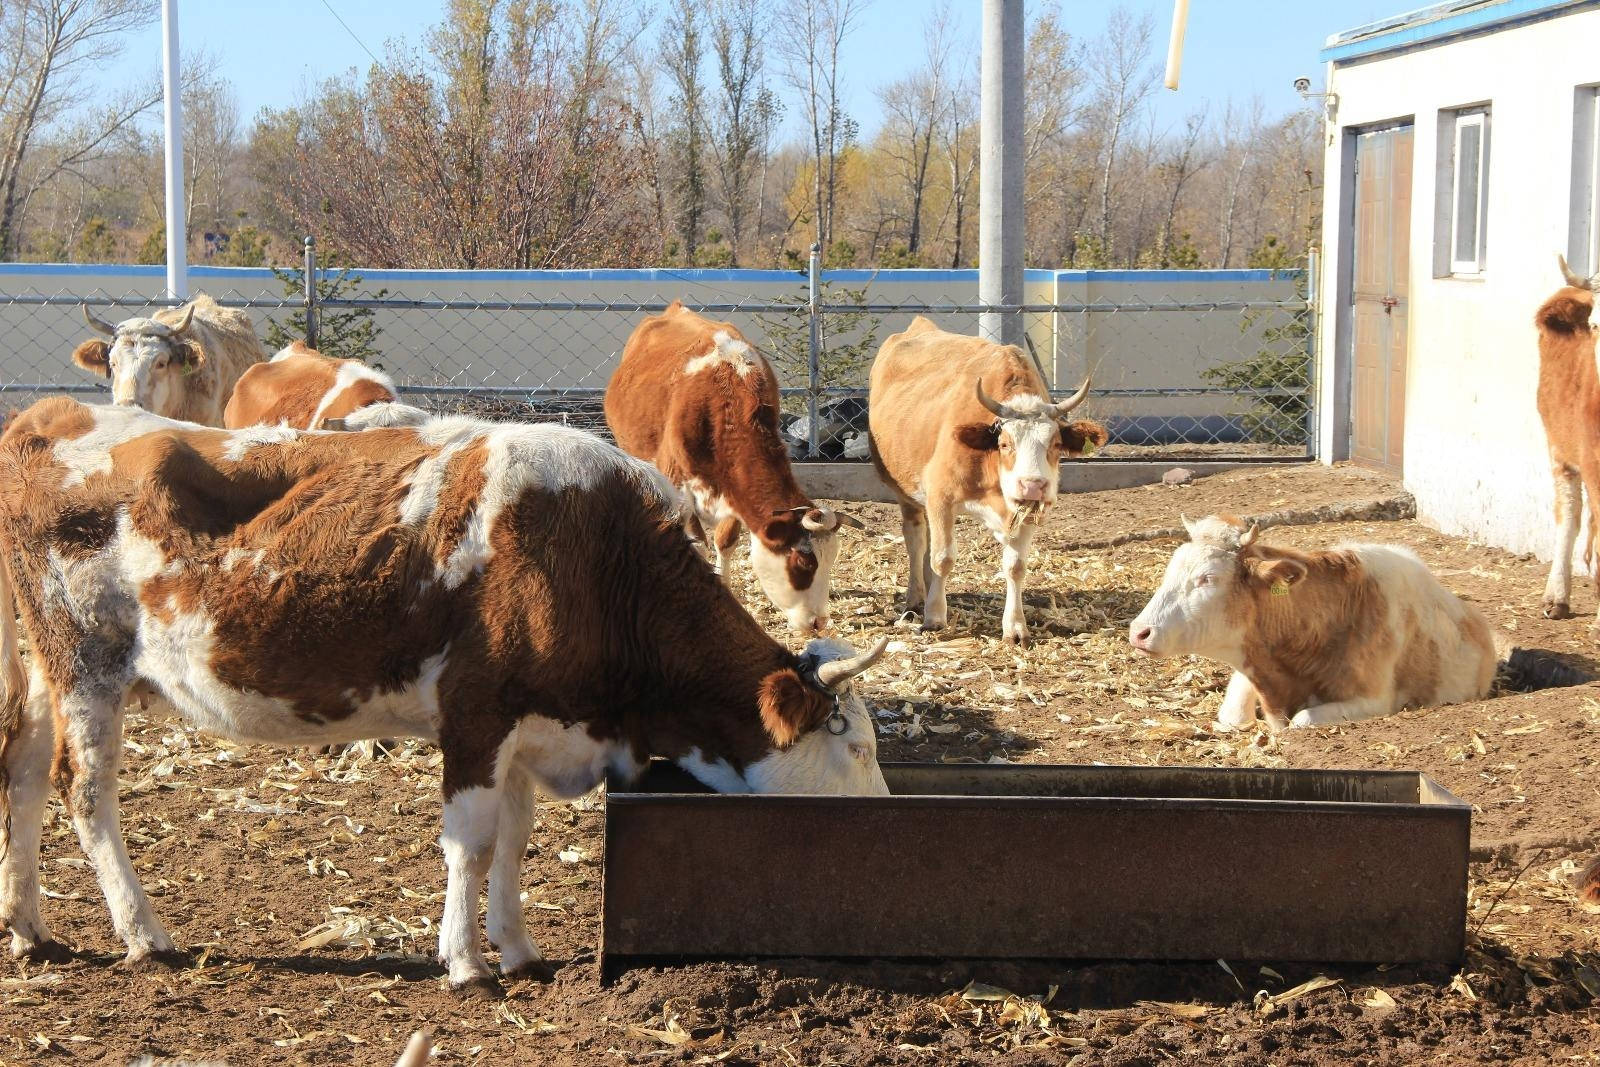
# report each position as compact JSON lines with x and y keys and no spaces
{"x":177,"y":250}
{"x":1180,"y":21}
{"x":1000,"y":202}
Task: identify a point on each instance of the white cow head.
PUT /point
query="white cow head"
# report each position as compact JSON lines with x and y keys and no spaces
{"x":823,"y":746}
{"x":1030,"y":436}
{"x":1206,"y":599}
{"x":793,"y":559}
{"x":146,"y":360}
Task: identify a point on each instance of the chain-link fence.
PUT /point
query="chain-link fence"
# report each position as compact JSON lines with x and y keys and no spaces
{"x":1213,"y":364}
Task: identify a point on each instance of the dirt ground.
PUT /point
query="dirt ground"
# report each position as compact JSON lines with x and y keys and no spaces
{"x":307,"y":887}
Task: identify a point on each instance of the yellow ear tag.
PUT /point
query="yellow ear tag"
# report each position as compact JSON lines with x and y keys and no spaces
{"x":1280,"y":588}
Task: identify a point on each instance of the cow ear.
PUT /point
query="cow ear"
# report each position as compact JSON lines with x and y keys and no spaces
{"x":1083,"y":438}
{"x":1278,"y":575}
{"x":94,"y":357}
{"x":189,"y":354}
{"x":790,"y":707}
{"x":979,"y":436}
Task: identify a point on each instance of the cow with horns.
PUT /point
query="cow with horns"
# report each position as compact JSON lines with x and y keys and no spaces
{"x":696,"y":399}
{"x":182,"y":363}
{"x":961,"y":423}
{"x":521,"y":595}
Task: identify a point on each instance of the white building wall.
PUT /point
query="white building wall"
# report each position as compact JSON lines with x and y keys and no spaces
{"x":1474,"y":449}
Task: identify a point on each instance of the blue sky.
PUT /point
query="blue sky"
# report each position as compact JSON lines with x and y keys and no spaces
{"x":274,"y":52}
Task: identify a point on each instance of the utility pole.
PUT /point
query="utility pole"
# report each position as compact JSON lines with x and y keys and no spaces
{"x":1000,"y":171}
{"x":177,"y":249}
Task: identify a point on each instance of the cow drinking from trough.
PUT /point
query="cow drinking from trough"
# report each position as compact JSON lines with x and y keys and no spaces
{"x":1569,"y":407}
{"x":1314,"y":638}
{"x":523,"y":595}
{"x":696,"y":399}
{"x":182,"y":363}
{"x":963,"y":423}
{"x":302,"y":388}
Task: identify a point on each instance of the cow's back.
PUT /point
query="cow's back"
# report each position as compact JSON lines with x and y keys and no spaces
{"x":302,"y":388}
{"x":1569,"y":385}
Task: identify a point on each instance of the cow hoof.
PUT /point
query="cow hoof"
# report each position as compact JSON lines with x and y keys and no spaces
{"x":1017,"y":638}
{"x":1557,"y":610}
{"x":157,"y":960}
{"x":485,"y":988}
{"x":540,"y":971}
{"x":46,"y":951}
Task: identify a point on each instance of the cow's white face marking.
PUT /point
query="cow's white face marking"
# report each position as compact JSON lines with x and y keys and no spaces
{"x":1188,"y":613}
{"x":144,"y":372}
{"x":1030,"y":449}
{"x":821,"y":761}
{"x":805,"y":609}
{"x":726,"y":351}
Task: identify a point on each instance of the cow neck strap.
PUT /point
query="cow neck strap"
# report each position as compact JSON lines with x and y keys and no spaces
{"x":836,"y":722}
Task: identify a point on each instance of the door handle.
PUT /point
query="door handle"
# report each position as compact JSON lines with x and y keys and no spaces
{"x":1389,"y":304}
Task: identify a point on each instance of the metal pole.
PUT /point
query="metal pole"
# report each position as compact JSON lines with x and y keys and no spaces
{"x":177,"y":229}
{"x":814,"y":353}
{"x":1000,"y":171}
{"x":1313,"y":308}
{"x":309,"y":280}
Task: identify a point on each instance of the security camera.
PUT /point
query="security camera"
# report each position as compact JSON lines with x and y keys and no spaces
{"x":1302,"y":85}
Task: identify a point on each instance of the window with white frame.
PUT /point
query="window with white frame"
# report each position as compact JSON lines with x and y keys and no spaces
{"x":1469,"y":187}
{"x":1583,"y":241}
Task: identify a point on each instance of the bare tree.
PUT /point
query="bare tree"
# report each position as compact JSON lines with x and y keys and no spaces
{"x":746,"y":109}
{"x":913,"y":108}
{"x":1123,"y":79}
{"x":48,"y":46}
{"x":811,"y":33}
{"x":682,"y":52}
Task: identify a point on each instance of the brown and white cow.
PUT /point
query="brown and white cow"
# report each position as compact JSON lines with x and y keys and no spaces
{"x":182,"y":363}
{"x":961,"y":423}
{"x":302,"y":388}
{"x":696,"y":399}
{"x":1569,"y":406}
{"x":1313,"y":638}
{"x":523,"y":595}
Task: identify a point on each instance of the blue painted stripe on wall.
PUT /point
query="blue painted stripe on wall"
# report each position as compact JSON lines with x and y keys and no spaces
{"x":1478,"y":20}
{"x":899,"y":276}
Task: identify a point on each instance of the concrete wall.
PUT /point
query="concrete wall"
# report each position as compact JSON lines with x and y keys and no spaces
{"x":1474,"y":448}
{"x":577,"y":349}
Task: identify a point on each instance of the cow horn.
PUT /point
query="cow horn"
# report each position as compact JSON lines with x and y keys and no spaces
{"x":837,"y":672}
{"x":997,"y":409}
{"x":97,"y":323}
{"x":1248,"y":538}
{"x":1074,"y":400}
{"x":847,"y":519}
{"x":1574,"y":280}
{"x":183,"y":323}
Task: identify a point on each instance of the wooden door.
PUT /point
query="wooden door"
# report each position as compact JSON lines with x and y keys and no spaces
{"x":1380,"y":268}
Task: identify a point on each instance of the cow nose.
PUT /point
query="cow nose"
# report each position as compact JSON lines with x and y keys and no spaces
{"x":1140,"y":638}
{"x":820,"y":624}
{"x":1032,"y":488}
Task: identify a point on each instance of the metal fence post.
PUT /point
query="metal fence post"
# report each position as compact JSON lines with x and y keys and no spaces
{"x":1313,"y":305}
{"x":309,"y":277}
{"x":814,"y":355}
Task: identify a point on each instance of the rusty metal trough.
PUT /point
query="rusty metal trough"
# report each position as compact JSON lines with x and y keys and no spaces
{"x":1042,"y":862}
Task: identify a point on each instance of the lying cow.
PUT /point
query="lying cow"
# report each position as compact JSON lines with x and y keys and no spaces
{"x":523,"y":595}
{"x":1315,"y":637}
{"x":961,"y":423}
{"x":183,"y":363}
{"x":694,"y":398}
{"x":1569,"y":407}
{"x":302,"y":388}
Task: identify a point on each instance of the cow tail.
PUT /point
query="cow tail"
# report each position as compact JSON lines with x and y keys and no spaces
{"x":15,"y":678}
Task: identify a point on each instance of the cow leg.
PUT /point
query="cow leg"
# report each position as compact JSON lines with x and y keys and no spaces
{"x":942,"y":560}
{"x":1014,"y":562}
{"x":1569,"y":498}
{"x":471,"y":826}
{"x":26,"y":774}
{"x":508,"y":929}
{"x":89,"y":752}
{"x":1342,"y":711}
{"x":914,"y":525}
{"x":1238,"y":709}
{"x":723,"y":541}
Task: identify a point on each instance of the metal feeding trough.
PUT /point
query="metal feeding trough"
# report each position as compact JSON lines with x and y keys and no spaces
{"x":1041,"y":862}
